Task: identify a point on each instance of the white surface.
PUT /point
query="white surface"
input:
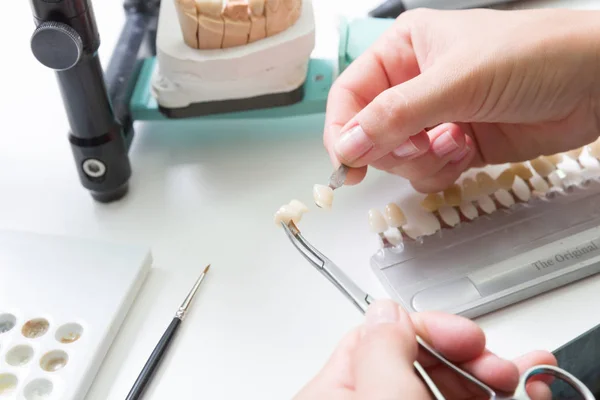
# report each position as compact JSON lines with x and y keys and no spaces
{"x":264,"y":321}
{"x":276,"y":64}
{"x":65,"y":281}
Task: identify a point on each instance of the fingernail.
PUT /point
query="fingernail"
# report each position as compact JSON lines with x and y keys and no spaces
{"x":463,"y":153}
{"x":353,"y":144}
{"x":406,"y":149}
{"x":444,"y":145}
{"x":382,"y":312}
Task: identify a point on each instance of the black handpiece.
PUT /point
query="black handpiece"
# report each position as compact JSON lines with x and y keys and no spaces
{"x":67,"y":40}
{"x":388,"y":9}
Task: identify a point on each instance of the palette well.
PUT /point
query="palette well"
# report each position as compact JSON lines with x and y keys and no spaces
{"x":62,"y":302}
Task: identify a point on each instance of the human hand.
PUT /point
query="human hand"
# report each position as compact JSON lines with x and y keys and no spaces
{"x":375,"y":361}
{"x":493,"y":86}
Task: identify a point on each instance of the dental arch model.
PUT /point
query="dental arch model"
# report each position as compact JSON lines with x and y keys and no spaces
{"x":220,"y":24}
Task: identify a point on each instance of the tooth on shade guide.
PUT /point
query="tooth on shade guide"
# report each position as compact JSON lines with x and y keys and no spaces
{"x":449,"y":215}
{"x":432,"y":202}
{"x":486,"y":204}
{"x":574,"y":154}
{"x":539,"y":185}
{"x":323,"y":196}
{"x":542,"y":166}
{"x":453,"y":195}
{"x":522,"y":171}
{"x":394,"y":215}
{"x":377,"y":221}
{"x":555,"y":158}
{"x":521,"y":190}
{"x":468,"y":210}
{"x":470,"y":189}
{"x":504,"y":198}
{"x":506,"y":179}
{"x":594,"y":149}
{"x":487,"y":185}
{"x":394,"y":237}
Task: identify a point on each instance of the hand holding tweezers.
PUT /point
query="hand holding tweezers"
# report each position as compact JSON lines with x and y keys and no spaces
{"x":362,"y":300}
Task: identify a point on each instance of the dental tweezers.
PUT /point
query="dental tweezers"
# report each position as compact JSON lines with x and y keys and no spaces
{"x":362,"y":300}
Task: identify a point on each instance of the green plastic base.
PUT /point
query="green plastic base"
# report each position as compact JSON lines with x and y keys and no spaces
{"x":321,"y":74}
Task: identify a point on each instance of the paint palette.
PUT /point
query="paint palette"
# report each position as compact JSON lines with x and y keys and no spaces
{"x":62,"y":302}
{"x":498,"y":236}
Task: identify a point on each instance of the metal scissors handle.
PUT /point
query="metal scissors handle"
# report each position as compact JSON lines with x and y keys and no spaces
{"x":362,"y":300}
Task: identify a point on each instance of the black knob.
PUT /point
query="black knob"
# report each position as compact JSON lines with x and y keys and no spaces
{"x":56,"y":45}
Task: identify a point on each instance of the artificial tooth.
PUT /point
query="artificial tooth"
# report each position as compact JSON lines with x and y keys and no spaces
{"x":377,"y":222}
{"x":470,"y":189}
{"x":594,"y":149}
{"x":394,"y":237}
{"x":506,"y":179}
{"x":286,"y":214}
{"x":539,"y":184}
{"x":449,"y":215}
{"x":453,"y":195}
{"x":297,"y":204}
{"x":323,"y":196}
{"x":211,"y":25}
{"x":487,"y":185}
{"x":468,"y":210}
{"x":555,"y":158}
{"x":432,"y":202}
{"x":258,"y":26}
{"x":521,"y":190}
{"x":522,"y":171}
{"x":237,"y":24}
{"x":504,"y":198}
{"x":542,"y":166}
{"x":188,"y":21}
{"x":575,"y":154}
{"x":486,"y":204}
{"x":394,"y":216}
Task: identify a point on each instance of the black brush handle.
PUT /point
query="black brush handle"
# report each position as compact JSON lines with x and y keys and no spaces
{"x":389,"y":9}
{"x":151,"y":366}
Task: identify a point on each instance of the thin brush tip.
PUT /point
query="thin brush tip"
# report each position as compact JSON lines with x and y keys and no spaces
{"x":206,"y":269}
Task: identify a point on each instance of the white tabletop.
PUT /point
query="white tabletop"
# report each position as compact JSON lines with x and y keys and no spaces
{"x":264,"y":321}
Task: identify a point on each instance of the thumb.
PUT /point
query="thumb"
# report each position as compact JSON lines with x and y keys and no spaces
{"x":391,"y":122}
{"x":384,"y":356}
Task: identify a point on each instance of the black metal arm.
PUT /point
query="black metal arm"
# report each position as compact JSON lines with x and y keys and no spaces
{"x":67,"y":40}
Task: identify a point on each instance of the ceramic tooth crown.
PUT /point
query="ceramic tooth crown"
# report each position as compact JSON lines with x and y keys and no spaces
{"x":432,"y":202}
{"x":453,"y":195}
{"x":506,"y":179}
{"x":487,"y":185}
{"x":522,"y":171}
{"x":377,"y":221}
{"x":221,"y":24}
{"x":394,"y":216}
{"x":542,"y":166}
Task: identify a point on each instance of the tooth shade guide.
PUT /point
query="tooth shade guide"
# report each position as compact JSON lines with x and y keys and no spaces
{"x":377,"y":222}
{"x":540,"y":185}
{"x":522,"y":171}
{"x":468,"y":211}
{"x":323,"y":196}
{"x":487,"y":185}
{"x":486,"y":205}
{"x":504,"y":198}
{"x":506,"y":179}
{"x":555,"y":159}
{"x":394,"y":215}
{"x":394,"y":237}
{"x":542,"y":166}
{"x":432,"y":202}
{"x":521,"y":190}
{"x":470,"y":189}
{"x":448,"y":216}
{"x":453,"y":196}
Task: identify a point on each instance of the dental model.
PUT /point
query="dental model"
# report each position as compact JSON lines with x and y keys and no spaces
{"x":323,"y":196}
{"x":291,"y":212}
{"x":221,"y":24}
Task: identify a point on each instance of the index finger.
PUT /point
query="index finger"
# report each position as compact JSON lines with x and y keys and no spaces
{"x":389,"y":62}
